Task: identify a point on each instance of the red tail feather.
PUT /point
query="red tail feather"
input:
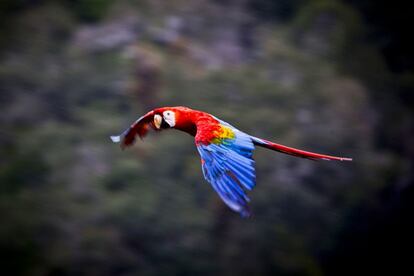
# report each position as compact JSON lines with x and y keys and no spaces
{"x":296,"y":152}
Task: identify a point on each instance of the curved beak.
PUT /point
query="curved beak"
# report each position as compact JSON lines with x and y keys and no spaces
{"x":157,"y":121}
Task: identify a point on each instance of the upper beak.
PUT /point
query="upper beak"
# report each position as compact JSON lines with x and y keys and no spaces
{"x":157,"y":121}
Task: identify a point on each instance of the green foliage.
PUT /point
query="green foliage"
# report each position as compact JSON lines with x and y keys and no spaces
{"x":332,"y":24}
{"x":90,"y":10}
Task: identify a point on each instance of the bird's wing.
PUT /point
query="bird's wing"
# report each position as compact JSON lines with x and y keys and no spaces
{"x":139,"y":127}
{"x":228,"y":166}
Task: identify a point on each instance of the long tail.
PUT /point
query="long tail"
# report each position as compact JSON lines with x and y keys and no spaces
{"x":296,"y":152}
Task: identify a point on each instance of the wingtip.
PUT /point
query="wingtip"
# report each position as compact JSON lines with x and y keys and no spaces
{"x":115,"y":139}
{"x":245,"y":213}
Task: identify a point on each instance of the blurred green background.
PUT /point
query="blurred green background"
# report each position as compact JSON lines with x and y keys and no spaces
{"x":329,"y":76}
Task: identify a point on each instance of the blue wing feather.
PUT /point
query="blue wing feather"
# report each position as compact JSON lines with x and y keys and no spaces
{"x":229,"y":168}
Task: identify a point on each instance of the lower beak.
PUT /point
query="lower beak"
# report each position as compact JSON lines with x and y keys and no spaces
{"x":157,"y":121}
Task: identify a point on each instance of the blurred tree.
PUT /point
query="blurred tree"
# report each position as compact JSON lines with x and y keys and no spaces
{"x":146,"y":76}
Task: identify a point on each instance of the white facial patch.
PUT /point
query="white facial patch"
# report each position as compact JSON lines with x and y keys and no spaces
{"x":169,"y":117}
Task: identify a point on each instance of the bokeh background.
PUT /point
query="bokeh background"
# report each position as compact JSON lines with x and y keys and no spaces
{"x":329,"y":76}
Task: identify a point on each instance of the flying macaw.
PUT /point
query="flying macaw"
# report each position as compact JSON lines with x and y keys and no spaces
{"x":226,"y":152}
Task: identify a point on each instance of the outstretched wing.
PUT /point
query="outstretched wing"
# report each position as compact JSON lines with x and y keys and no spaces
{"x":228,"y":166}
{"x":139,"y":127}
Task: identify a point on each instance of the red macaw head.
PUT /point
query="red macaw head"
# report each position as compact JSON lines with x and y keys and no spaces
{"x":171,"y":117}
{"x":165,"y":117}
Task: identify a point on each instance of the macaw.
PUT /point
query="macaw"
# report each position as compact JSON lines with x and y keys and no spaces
{"x":226,"y":152}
